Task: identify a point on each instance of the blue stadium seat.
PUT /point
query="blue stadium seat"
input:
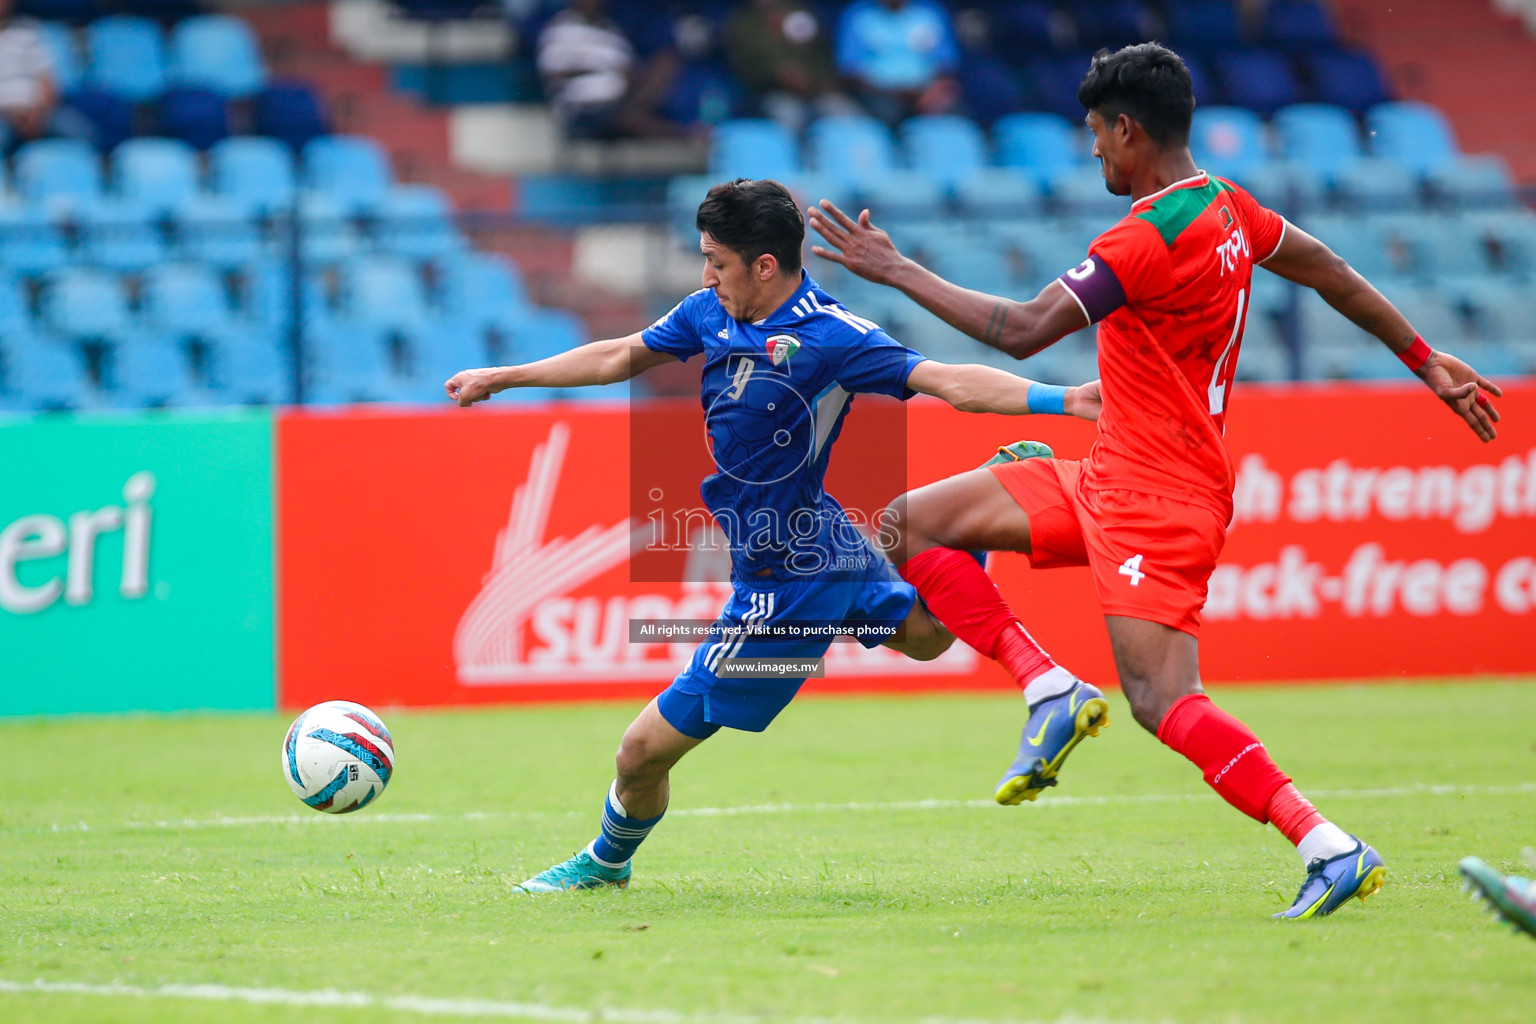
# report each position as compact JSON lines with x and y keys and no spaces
{"x":1511,"y":237}
{"x":265,"y":295}
{"x":328,"y":229}
{"x":990,"y":88}
{"x":1473,"y":182}
{"x":122,"y":234}
{"x":216,"y":230}
{"x":250,"y":366}
{"x":809,"y":189}
{"x":1027,"y":27}
{"x":1204,"y":85}
{"x":1228,"y":141}
{"x":159,"y":173}
{"x":974,"y":263}
{"x":1350,"y":78}
{"x":43,"y":372}
{"x":1501,"y":311}
{"x":1415,"y":135}
{"x":1298,"y":26}
{"x":57,"y":169}
{"x":383,"y":291}
{"x":901,"y":195}
{"x":1351,"y":237}
{"x":185,"y":299}
{"x":445,"y":347}
{"x":197,"y":117}
{"x":684,"y":194}
{"x":31,"y":241}
{"x":945,"y":148}
{"x":533,"y":333}
{"x":151,"y":371}
{"x":1053,"y":82}
{"x":1372,"y":183}
{"x":1202,"y":26}
{"x":348,"y":362}
{"x":990,"y":192}
{"x":850,"y":149}
{"x":1110,"y":23}
{"x":79,"y":302}
{"x":475,"y":285}
{"x":64,"y":49}
{"x":1289,"y":186}
{"x":14,"y":314}
{"x":291,"y":113}
{"x":354,"y":169}
{"x":1261,"y":80}
{"x":753,"y":148}
{"x":415,"y":221}
{"x":109,"y":117}
{"x":1319,"y":136}
{"x":1446,"y":247}
{"x":1046,"y":145}
{"x":126,"y":56}
{"x":1082,"y":194}
{"x":218,"y":53}
{"x":255,"y":172}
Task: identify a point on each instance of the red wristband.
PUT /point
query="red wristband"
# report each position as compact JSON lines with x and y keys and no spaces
{"x":1416,"y":355}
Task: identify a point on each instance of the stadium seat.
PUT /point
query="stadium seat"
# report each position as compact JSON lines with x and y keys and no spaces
{"x":990,"y":87}
{"x":197,"y":117}
{"x":64,"y":50}
{"x":57,"y":169}
{"x":109,"y":117}
{"x":119,"y":233}
{"x":415,"y":221}
{"x":752,"y":148}
{"x":126,"y":56}
{"x":1053,"y":82}
{"x":1350,"y":78}
{"x":1027,"y":27}
{"x":327,"y":228}
{"x":256,"y":173}
{"x":1298,"y":26}
{"x":998,"y":191}
{"x":185,"y":298}
{"x":1202,"y":26}
{"x":1372,"y":183}
{"x":347,"y":362}
{"x":43,"y":372}
{"x":1319,"y":136}
{"x":1291,"y":187}
{"x":150,"y":371}
{"x":291,"y":113}
{"x":1228,"y":141}
{"x":945,"y":148}
{"x":1110,"y":23}
{"x":980,"y":266}
{"x":475,"y":285}
{"x":79,"y":302}
{"x":383,"y":291}
{"x":1473,"y":182}
{"x":901,"y":195}
{"x":218,"y":53}
{"x":352,"y":169}
{"x":1264,"y":356}
{"x":1082,"y":194}
{"x":214,"y":229}
{"x":850,"y":149}
{"x":534,"y":333}
{"x":1261,"y":80}
{"x":249,"y":366}
{"x":14,"y":314}
{"x":445,"y":347}
{"x":808,"y":189}
{"x":1349,"y":236}
{"x":1446,"y":247}
{"x":265,"y":295}
{"x":1415,"y":135}
{"x":1046,"y":145}
{"x":31,"y":241}
{"x":1500,"y":311}
{"x":158,"y":173}
{"x":1511,"y":238}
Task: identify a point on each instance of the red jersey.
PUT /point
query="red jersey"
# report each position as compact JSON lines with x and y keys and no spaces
{"x":1169,"y":287}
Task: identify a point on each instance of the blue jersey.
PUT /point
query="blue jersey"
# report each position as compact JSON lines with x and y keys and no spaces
{"x":775,"y":394}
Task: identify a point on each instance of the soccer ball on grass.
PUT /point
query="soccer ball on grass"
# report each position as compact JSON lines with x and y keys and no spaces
{"x":338,"y":756}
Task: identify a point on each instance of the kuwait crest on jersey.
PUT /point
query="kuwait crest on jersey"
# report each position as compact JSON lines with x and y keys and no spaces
{"x":781,"y":347}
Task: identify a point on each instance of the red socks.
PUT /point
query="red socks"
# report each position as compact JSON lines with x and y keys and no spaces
{"x":1292,"y":813}
{"x":1231,"y":757}
{"x":961,"y":595}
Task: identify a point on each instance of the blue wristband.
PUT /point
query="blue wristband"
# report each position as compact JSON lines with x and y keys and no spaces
{"x":1049,"y":398}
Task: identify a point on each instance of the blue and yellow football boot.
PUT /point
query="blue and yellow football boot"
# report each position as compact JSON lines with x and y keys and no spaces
{"x":1334,"y":882}
{"x":1511,"y":897}
{"x":580,"y":872}
{"x":1055,"y":726}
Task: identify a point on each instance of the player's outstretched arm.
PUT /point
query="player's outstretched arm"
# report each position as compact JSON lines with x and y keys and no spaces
{"x":600,"y":362}
{"x":1018,"y":328}
{"x":1307,"y":261}
{"x":972,"y":388}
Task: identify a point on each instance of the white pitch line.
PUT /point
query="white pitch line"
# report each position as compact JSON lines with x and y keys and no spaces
{"x":440,"y":1007}
{"x":1395,"y":792}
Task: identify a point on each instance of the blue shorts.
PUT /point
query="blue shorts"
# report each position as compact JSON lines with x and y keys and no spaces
{"x":698,"y":702}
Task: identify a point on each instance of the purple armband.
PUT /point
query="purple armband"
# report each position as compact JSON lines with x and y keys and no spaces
{"x":1095,"y":287}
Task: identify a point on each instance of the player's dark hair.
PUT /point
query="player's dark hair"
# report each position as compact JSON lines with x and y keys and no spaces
{"x":1148,"y":83}
{"x":752,"y":217}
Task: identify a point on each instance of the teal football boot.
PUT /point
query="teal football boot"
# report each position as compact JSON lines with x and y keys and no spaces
{"x":1016,"y":452}
{"x":1334,"y":882}
{"x":1056,"y":725}
{"x":1511,"y":897}
{"x":580,"y":872}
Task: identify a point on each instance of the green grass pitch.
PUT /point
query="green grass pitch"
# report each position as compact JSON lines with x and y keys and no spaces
{"x":1128,"y":894}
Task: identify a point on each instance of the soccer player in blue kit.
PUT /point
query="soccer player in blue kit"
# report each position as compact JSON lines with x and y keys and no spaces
{"x":782,"y":360}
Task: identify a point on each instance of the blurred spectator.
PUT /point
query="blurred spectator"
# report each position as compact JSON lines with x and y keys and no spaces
{"x":28,"y":89}
{"x":780,"y":51}
{"x":901,"y":54}
{"x":596,"y":83}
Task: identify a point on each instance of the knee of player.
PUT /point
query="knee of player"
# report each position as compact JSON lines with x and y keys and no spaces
{"x":890,"y":532}
{"x":1145,"y":708}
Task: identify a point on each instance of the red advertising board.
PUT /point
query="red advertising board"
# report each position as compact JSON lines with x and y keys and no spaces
{"x":483,"y":556}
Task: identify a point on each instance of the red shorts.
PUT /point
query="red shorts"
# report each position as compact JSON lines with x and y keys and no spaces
{"x":1151,"y":556}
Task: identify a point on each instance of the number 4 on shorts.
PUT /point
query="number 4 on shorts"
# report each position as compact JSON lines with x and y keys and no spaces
{"x":1132,"y":568}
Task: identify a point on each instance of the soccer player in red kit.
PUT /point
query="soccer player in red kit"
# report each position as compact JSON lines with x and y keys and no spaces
{"x":1148,"y":510}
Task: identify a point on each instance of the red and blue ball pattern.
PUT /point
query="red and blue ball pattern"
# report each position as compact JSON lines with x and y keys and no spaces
{"x":338,"y":756}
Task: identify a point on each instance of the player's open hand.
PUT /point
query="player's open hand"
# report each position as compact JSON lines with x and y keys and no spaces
{"x":470,"y":386}
{"x":1465,"y":390}
{"x":1084,"y":401}
{"x":860,"y":246}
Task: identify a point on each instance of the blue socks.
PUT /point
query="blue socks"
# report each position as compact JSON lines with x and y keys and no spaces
{"x":621,"y":835}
